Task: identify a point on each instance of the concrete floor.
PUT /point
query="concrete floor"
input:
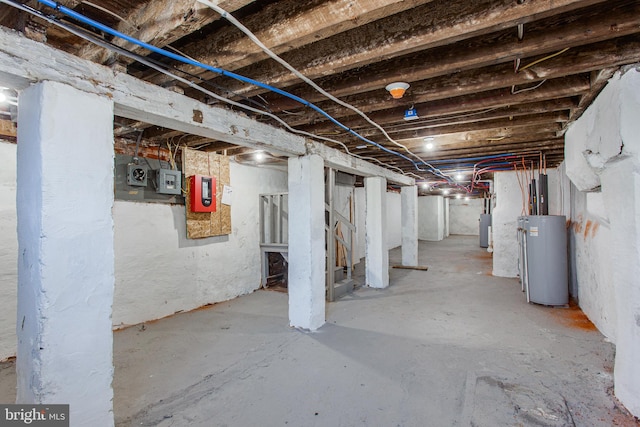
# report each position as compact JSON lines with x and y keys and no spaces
{"x":444,"y":347}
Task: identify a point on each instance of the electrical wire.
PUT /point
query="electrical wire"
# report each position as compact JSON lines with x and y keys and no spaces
{"x":90,"y":37}
{"x":439,"y":119}
{"x":515,"y":92}
{"x":226,"y":15}
{"x":518,"y":69}
{"x":544,"y":59}
{"x":135,"y":156}
{"x":522,"y":198}
{"x":106,"y":29}
{"x":83,"y":19}
{"x":108,"y":12}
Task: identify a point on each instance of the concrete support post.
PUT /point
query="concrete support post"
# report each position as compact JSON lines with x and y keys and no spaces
{"x":409,"y":200}
{"x":377,"y":253}
{"x":66,"y":261}
{"x":306,"y":242}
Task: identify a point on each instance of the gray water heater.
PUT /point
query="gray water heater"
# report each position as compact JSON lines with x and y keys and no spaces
{"x":485,"y":223}
{"x":545,"y":242}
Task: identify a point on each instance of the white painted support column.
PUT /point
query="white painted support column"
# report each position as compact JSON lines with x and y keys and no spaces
{"x":409,"y":200}
{"x":306,"y":242}
{"x":66,"y":256}
{"x":377,"y":254}
{"x":447,"y":211}
{"x":621,"y":187}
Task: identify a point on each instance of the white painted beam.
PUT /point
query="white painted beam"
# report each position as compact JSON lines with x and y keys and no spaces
{"x":23,"y":61}
{"x":306,"y":242}
{"x":377,"y":254}
{"x":343,"y":162}
{"x":66,"y":264}
{"x":409,"y":201}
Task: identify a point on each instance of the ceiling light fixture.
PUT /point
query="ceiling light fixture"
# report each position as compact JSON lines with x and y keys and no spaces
{"x":259,"y":156}
{"x":445,"y":192}
{"x":425,"y":185}
{"x":459,"y":176}
{"x":429,"y":145}
{"x":397,"y":89}
{"x":360,"y":147}
{"x":458,"y":196}
{"x":3,"y":97}
{"x":466,"y":198}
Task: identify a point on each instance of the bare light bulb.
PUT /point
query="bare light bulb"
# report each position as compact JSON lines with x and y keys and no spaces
{"x":445,"y":192}
{"x":429,"y":145}
{"x":3,"y":97}
{"x":458,"y":196}
{"x":259,"y":155}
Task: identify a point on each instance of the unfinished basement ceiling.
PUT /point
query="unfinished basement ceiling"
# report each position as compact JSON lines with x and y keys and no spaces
{"x":487,"y":77}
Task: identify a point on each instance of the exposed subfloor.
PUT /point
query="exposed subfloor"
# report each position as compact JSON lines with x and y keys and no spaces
{"x":448,"y":346}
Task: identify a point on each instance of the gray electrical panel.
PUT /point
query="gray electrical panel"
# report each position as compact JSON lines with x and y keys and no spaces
{"x":148,"y":192}
{"x":485,"y":223}
{"x":545,"y":243}
{"x":136,"y":175}
{"x":168,"y":181}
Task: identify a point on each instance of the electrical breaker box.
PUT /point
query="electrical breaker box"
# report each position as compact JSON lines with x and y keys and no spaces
{"x":136,"y":175}
{"x":202,"y":193}
{"x":169,"y":181}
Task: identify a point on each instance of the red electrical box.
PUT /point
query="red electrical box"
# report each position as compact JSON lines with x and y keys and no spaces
{"x":202,"y":192}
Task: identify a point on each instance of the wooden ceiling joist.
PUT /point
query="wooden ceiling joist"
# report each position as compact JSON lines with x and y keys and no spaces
{"x":421,"y":28}
{"x":487,"y":77}
{"x":284,"y":26}
{"x":552,"y":89}
{"x":161,"y":23}
{"x":600,"y":24}
{"x":572,"y":62}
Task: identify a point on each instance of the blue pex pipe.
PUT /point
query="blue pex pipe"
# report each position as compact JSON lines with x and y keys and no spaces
{"x":81,"y":18}
{"x":467,"y":165}
{"x":473,"y":159}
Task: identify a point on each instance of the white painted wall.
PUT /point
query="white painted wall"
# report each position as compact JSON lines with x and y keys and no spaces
{"x":508,"y":207}
{"x":603,"y":152}
{"x":394,"y":220}
{"x":592,"y":261}
{"x":8,"y":250}
{"x":431,"y":218}
{"x":464,"y":216}
{"x":160,"y":272}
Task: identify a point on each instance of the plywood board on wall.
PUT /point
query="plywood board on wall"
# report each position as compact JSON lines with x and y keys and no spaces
{"x":205,"y":224}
